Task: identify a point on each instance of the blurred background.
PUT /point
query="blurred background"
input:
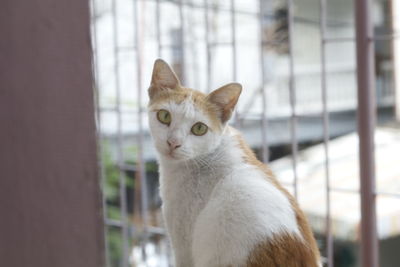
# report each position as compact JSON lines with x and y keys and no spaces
{"x":297,"y":63}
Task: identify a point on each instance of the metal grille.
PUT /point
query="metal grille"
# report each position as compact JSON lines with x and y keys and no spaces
{"x":182,"y":45}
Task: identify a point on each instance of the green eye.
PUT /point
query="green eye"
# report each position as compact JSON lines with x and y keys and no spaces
{"x":199,"y":128}
{"x":164,"y":116}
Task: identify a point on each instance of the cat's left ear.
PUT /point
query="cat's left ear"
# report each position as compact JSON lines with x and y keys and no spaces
{"x":226,"y":98}
{"x":163,"y":78}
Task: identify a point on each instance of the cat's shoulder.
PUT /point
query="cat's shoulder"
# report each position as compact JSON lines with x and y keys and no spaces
{"x":250,"y":189}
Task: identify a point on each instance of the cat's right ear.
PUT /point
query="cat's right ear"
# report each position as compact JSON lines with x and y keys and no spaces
{"x":163,"y":78}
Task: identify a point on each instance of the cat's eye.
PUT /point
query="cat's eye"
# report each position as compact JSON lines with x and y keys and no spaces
{"x":164,"y":116}
{"x":199,"y":129}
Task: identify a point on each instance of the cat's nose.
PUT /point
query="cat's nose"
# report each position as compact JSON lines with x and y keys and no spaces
{"x":173,"y":144}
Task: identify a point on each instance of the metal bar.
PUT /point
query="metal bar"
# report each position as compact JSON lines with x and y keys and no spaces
{"x":208,"y":46}
{"x":395,"y":24}
{"x":234,"y":53}
{"x":140,"y":160}
{"x":292,"y":95}
{"x":182,"y":44}
{"x":208,"y":6}
{"x":326,"y":40}
{"x":264,"y":121}
{"x":192,"y":43}
{"x":126,"y":110}
{"x":214,"y":44}
{"x":337,"y":39}
{"x":106,"y":109}
{"x":114,"y":223}
{"x":366,"y":123}
{"x":325,"y":116}
{"x":352,"y":191}
{"x":150,"y":229}
{"x":120,"y":156}
{"x":98,"y":127}
{"x":385,"y":37}
{"x":387,"y":194}
{"x":158,"y":29}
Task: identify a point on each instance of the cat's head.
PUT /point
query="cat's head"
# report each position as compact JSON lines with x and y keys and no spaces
{"x":186,"y":123}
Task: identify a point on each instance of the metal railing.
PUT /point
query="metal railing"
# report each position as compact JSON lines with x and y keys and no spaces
{"x":295,"y":103}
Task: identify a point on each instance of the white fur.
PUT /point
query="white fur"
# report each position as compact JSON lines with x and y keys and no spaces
{"x":184,"y":116}
{"x":217,"y":207}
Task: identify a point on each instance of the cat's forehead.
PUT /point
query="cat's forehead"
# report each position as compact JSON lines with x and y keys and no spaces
{"x":178,"y":96}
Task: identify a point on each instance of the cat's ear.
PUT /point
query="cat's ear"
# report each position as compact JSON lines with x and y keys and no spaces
{"x":226,"y":98}
{"x":163,"y":78}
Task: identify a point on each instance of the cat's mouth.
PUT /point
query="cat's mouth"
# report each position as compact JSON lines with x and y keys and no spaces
{"x":174,"y":155}
{"x":171,"y":154}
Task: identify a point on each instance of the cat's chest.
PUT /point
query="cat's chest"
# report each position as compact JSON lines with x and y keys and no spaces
{"x":184,"y":195}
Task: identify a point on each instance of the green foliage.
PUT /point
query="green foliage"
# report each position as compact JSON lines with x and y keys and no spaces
{"x":114,"y":239}
{"x":111,"y":186}
{"x":111,"y":189}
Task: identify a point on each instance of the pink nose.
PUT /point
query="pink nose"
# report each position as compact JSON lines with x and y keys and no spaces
{"x":173,"y":144}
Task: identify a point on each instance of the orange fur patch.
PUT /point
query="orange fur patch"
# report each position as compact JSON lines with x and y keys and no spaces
{"x":284,"y":250}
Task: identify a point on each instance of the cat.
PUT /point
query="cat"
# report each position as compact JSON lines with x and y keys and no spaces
{"x":222,"y":207}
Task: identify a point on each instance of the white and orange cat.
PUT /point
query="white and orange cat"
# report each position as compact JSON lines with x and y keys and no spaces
{"x":222,"y":207}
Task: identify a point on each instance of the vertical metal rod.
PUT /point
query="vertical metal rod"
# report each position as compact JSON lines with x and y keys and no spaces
{"x":234,"y":52}
{"x":292,"y":96}
{"x":98,"y":126}
{"x":158,"y":29}
{"x":233,"y":40}
{"x":193,"y":44}
{"x":396,"y":57}
{"x":264,"y":121}
{"x":208,"y":46}
{"x":94,"y":60}
{"x":140,"y":164}
{"x":366,"y":123}
{"x":182,"y":33}
{"x":326,"y":131}
{"x":120,"y":156}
